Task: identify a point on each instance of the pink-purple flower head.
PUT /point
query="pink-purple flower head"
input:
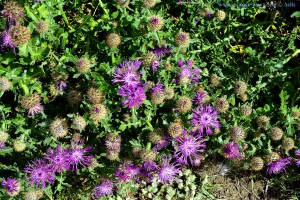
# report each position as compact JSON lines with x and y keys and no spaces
{"x":77,"y":155}
{"x":58,"y":159}
{"x":2,"y":145}
{"x":205,"y":118}
{"x":11,"y":185}
{"x":278,"y":166}
{"x":37,"y":109}
{"x":198,"y":98}
{"x":167,"y":172}
{"x":104,"y":189}
{"x":162,"y":51}
{"x":61,"y":85}
{"x":157,"y":88}
{"x":148,"y":170}
{"x":162,"y":144}
{"x":6,"y":41}
{"x":134,"y":96}
{"x":127,"y":73}
{"x":231,"y":150}
{"x":127,"y":172}
{"x":188,"y":72}
{"x":188,"y":148}
{"x":39,"y":172}
{"x":297,"y":152}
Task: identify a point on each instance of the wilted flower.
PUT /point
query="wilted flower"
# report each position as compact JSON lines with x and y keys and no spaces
{"x":163,"y":143}
{"x":167,"y":171}
{"x":134,"y":95}
{"x":188,"y":148}
{"x":231,"y":150}
{"x":104,"y":189}
{"x":13,"y":12}
{"x":126,"y":172}
{"x":58,"y":159}
{"x":278,"y":166}
{"x":127,"y":73}
{"x":39,"y":172}
{"x":38,"y":108}
{"x":206,"y":117}
{"x":11,"y":185}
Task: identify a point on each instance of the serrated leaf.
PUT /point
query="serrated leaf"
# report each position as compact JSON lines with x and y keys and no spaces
{"x":122,"y":127}
{"x":296,"y":14}
{"x":283,"y":101}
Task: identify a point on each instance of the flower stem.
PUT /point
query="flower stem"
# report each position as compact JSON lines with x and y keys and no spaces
{"x":148,"y":146}
{"x":24,"y":87}
{"x":157,"y":38}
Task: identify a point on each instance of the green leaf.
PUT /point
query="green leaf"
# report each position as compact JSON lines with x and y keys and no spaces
{"x":43,"y":11}
{"x":122,"y":127}
{"x":30,"y":14}
{"x":296,"y":14}
{"x":24,"y":50}
{"x":115,"y":14}
{"x":283,"y":101}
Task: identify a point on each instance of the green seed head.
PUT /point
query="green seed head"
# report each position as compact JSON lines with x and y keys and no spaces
{"x":240,"y":87}
{"x":83,"y":65}
{"x":272,"y":157}
{"x":19,"y":145}
{"x":123,"y":3}
{"x":288,"y":144}
{"x":263,"y":122}
{"x":149,"y":3}
{"x":214,"y":81}
{"x":3,"y":136}
{"x":74,"y":97}
{"x":157,"y":97}
{"x":245,"y":110}
{"x":175,"y":130}
{"x":220,"y":15}
{"x":156,"y":136}
{"x":149,"y":58}
{"x":147,"y":155}
{"x":222,"y":105}
{"x":169,"y":93}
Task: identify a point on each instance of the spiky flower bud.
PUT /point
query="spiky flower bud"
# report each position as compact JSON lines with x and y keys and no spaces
{"x":288,"y":144}
{"x":34,"y":195}
{"x":175,"y":130}
{"x":271,"y":157}
{"x":79,"y":123}
{"x":222,"y":105}
{"x":147,"y":155}
{"x":184,"y":104}
{"x":136,"y":151}
{"x":168,"y":66}
{"x":83,"y":65}
{"x":244,"y":97}
{"x":214,"y":81}
{"x":237,"y":134}
{"x":240,"y":87}
{"x":74,"y":97}
{"x":123,"y":3}
{"x":42,"y":27}
{"x":220,"y":15}
{"x":257,"y":163}
{"x":182,"y":39}
{"x":149,"y":58}
{"x":94,"y":163}
{"x":126,"y":117}
{"x":113,"y":40}
{"x":20,"y":35}
{"x":76,"y":137}
{"x":245,"y":110}
{"x":13,"y":11}
{"x":115,"y":24}
{"x":3,"y":136}
{"x":169,"y":93}
{"x":149,"y":3}
{"x":98,"y":112}
{"x":19,"y":145}
{"x":94,"y":95}
{"x":296,"y":114}
{"x":155,"y":23}
{"x":59,"y":128}
{"x":276,"y":133}
{"x":156,"y":136}
{"x":113,"y":141}
{"x":112,"y":154}
{"x":30,"y":101}
{"x":263,"y":122}
{"x":5,"y":84}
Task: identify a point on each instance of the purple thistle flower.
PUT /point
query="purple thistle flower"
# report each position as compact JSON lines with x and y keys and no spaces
{"x":39,"y":172}
{"x":58,"y":159}
{"x":197,"y":21}
{"x":11,"y":185}
{"x":157,"y":88}
{"x":77,"y":155}
{"x":231,"y":150}
{"x":6,"y":41}
{"x":127,"y":73}
{"x":167,"y":171}
{"x":297,"y":161}
{"x":61,"y":86}
{"x":37,"y":109}
{"x":134,"y":95}
{"x":2,"y":145}
{"x":188,"y":147}
{"x":161,"y":51}
{"x":155,"y":65}
{"x":297,"y":152}
{"x":187,"y":72}
{"x":126,"y":172}
{"x":278,"y":166}
{"x":180,"y":63}
{"x":148,"y":170}
{"x":205,"y":117}
{"x":198,"y":98}
{"x":162,"y":144}
{"x":104,"y":189}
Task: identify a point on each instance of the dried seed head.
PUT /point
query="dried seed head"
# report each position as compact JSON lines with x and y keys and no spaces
{"x":149,"y":58}
{"x":147,"y":155}
{"x":288,"y":144}
{"x":214,"y":81}
{"x":113,"y":40}
{"x":74,"y":97}
{"x":149,"y":3}
{"x":79,"y":123}
{"x":222,"y":105}
{"x":83,"y":65}
{"x":123,"y":3}
{"x":20,"y":35}
{"x":182,"y":39}
{"x":276,"y":133}
{"x":59,"y":128}
{"x":19,"y":145}
{"x":42,"y":27}
{"x":30,"y":101}
{"x":3,"y":136}
{"x":245,"y":110}
{"x":112,"y":154}
{"x":244,"y":97}
{"x":272,"y":157}
{"x":240,"y":87}
{"x":263,"y":122}
{"x":157,"y":97}
{"x":76,"y":137}
{"x":175,"y":130}
{"x":156,"y":136}
{"x":200,"y":88}
{"x":237,"y":134}
{"x":168,"y":66}
{"x":94,"y":95}
{"x":136,"y":151}
{"x":126,"y":117}
{"x":94,"y":163}
{"x":13,"y":11}
{"x":5,"y":84}
{"x":98,"y":112}
{"x":220,"y":15}
{"x":257,"y":163}
{"x":184,"y":104}
{"x":169,"y":93}
{"x":155,"y":23}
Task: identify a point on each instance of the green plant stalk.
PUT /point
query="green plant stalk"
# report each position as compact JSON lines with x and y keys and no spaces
{"x":112,"y":57}
{"x":133,"y":114}
{"x":176,"y":56}
{"x":102,"y":6}
{"x":63,"y":14}
{"x":148,"y":146}
{"x":157,"y":38}
{"x":149,"y":125}
{"x":24,"y":87}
